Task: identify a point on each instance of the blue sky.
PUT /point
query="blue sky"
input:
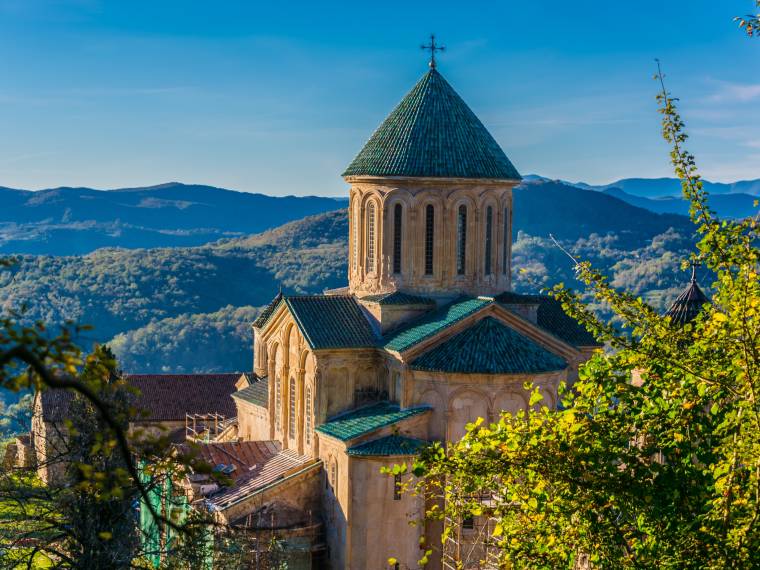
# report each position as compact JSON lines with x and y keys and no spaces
{"x":278,"y":97}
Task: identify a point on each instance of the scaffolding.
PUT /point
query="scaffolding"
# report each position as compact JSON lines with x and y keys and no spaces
{"x":205,"y":428}
{"x":470,"y":543}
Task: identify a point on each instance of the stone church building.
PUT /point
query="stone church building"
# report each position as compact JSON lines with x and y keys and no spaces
{"x":426,"y":337}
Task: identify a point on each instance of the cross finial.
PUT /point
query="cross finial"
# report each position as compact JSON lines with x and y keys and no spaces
{"x":433,"y":48}
{"x":694,"y":264}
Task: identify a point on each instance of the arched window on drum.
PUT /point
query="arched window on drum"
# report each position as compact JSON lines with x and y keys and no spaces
{"x":371,"y":235}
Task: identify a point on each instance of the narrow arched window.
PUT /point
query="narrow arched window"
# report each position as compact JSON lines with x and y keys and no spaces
{"x":277,"y":403}
{"x":334,"y":476}
{"x":397,"y":214}
{"x":292,"y":408}
{"x":507,"y":240}
{"x":489,"y":239}
{"x":429,"y":238}
{"x":461,"y":239}
{"x":371,"y":236}
{"x":307,"y":412}
{"x":355,"y":221}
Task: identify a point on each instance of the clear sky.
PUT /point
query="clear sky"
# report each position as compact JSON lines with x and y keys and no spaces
{"x":277,"y":97}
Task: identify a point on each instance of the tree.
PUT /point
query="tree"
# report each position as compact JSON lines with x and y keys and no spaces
{"x":659,"y":473}
{"x":751,"y":22}
{"x":98,"y":501}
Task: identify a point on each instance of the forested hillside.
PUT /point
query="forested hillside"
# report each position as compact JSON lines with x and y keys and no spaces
{"x":188,"y":309}
{"x":67,"y":221}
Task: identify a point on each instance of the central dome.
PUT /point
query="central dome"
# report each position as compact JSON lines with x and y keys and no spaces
{"x":432,"y":133}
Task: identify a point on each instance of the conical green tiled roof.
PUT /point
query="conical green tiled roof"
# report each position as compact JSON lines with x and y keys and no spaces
{"x":687,"y":305}
{"x":432,"y":133}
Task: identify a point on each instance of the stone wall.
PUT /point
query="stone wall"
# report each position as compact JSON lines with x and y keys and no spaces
{"x":372,"y":222}
{"x":253,"y":421}
{"x":381,"y":525}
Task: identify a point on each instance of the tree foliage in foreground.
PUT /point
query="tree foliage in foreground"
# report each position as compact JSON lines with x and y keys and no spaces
{"x":665,"y":474}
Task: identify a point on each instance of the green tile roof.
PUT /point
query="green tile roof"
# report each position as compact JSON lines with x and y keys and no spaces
{"x":489,"y":347}
{"x":687,"y":305}
{"x":399,"y":298}
{"x":432,"y":133}
{"x":430,"y":324}
{"x":364,"y":420}
{"x":552,"y":318}
{"x":389,"y":445}
{"x":268,"y":311}
{"x":331,"y":321}
{"x":255,"y":393}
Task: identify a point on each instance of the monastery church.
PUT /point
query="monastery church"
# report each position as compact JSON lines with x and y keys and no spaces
{"x":426,"y":337}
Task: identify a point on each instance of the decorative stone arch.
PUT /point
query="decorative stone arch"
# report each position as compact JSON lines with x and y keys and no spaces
{"x":354,"y":234}
{"x":439,"y":415}
{"x":509,"y":400}
{"x":398,"y":198}
{"x":371,"y":229}
{"x":465,"y":405}
{"x":504,"y":231}
{"x":488,"y":246}
{"x":458,"y":199}
{"x":425,"y":199}
{"x":275,"y":388}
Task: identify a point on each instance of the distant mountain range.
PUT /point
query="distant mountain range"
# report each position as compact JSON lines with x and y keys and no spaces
{"x":664,"y":187}
{"x":75,"y":221}
{"x":663,"y":195}
{"x":68,"y":221}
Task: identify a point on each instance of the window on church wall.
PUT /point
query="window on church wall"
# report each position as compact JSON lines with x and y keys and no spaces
{"x":277,"y":403}
{"x":307,"y":411}
{"x":292,"y":408}
{"x":371,"y":236}
{"x":355,"y":252}
{"x":429,"y":238}
{"x":334,"y":476}
{"x":461,"y":239}
{"x":489,"y":239}
{"x":397,"y":220}
{"x":507,"y":238}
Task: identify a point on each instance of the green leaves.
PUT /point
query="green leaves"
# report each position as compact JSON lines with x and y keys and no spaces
{"x":655,"y":460}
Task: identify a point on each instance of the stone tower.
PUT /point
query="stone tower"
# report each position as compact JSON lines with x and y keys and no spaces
{"x":430,"y":208}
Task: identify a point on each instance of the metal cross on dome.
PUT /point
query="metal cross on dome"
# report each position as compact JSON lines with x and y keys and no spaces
{"x":433,"y":48}
{"x":694,"y":264}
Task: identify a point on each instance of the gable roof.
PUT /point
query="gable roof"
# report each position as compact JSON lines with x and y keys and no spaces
{"x":166,"y":397}
{"x":331,"y":321}
{"x":364,"y":420}
{"x":552,"y":318}
{"x":687,"y":305}
{"x":257,"y":392}
{"x":398,"y":298}
{"x":268,"y":471}
{"x":488,"y":347}
{"x":432,"y":133}
{"x":432,"y":323}
{"x":267,"y":312}
{"x":388,"y":445}
{"x":162,"y":397}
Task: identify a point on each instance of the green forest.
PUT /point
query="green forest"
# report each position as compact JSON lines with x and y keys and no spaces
{"x":188,"y":309}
